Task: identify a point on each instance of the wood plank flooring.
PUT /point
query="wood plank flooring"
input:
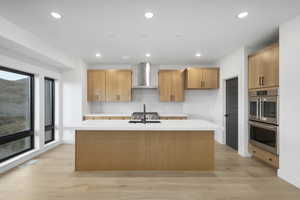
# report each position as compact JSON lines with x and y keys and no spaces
{"x":235,"y":178}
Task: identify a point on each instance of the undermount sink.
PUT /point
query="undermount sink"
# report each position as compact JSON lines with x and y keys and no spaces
{"x":143,"y":122}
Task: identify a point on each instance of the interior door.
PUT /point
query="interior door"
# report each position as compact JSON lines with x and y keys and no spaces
{"x":232,"y":113}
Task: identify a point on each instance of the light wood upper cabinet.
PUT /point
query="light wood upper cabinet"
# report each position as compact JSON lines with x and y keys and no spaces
{"x":210,"y":78}
{"x":109,"y":85}
{"x":255,"y":71}
{"x":202,"y":78}
{"x":118,"y":85}
{"x":171,"y":85}
{"x":264,"y":68}
{"x":96,"y":85}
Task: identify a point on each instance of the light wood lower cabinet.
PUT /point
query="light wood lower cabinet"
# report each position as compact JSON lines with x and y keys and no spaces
{"x":173,"y":118}
{"x":144,"y":150}
{"x":171,"y":85}
{"x":202,"y":78}
{"x":264,"y":68}
{"x":128,"y":118}
{"x":264,"y":156}
{"x":106,"y":118}
{"x":109,"y":85}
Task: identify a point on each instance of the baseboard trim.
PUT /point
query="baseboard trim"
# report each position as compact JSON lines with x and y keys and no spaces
{"x":286,"y":176}
{"x":7,"y":165}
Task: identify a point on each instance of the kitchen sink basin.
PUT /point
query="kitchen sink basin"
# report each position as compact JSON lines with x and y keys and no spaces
{"x":143,"y":122}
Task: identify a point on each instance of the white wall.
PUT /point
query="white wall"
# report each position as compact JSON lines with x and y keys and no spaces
{"x":234,"y":65}
{"x":289,"y":161}
{"x":75,"y":98}
{"x":21,"y":41}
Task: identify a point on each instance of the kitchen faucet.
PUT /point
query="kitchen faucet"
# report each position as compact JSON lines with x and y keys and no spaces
{"x":144,"y":119}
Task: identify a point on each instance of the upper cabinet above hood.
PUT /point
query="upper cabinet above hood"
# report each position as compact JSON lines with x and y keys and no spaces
{"x":145,"y":76}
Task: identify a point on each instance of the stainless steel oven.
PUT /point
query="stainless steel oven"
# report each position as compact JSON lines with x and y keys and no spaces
{"x":263,"y":106}
{"x":265,"y":136}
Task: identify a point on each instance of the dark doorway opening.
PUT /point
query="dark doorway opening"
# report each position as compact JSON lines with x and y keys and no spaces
{"x":232,"y":113}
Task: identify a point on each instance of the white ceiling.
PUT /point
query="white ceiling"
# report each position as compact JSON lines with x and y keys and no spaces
{"x":179,"y":29}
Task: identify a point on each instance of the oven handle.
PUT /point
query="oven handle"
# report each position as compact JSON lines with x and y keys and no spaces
{"x":259,"y":106}
{"x":268,"y":127}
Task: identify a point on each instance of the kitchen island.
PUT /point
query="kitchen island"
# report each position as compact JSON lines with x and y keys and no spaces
{"x":169,"y":145}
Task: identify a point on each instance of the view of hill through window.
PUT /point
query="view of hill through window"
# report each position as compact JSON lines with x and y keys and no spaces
{"x":15,"y":111}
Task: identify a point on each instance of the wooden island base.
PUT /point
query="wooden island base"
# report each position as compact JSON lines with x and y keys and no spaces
{"x":144,"y":150}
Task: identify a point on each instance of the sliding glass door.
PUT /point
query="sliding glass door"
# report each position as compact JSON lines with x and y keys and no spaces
{"x":16,"y":113}
{"x":49,"y":110}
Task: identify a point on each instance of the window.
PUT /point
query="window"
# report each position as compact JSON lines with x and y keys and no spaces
{"x":16,"y":113}
{"x":49,"y":110}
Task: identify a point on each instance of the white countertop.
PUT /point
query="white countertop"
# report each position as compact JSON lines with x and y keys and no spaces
{"x":129,"y":114}
{"x":165,"y":125}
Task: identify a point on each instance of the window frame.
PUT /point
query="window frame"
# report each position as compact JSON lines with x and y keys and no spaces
{"x":52,"y":126}
{"x":23,"y":134}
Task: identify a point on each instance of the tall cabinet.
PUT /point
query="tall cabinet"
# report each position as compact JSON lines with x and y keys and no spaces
{"x":264,"y":68}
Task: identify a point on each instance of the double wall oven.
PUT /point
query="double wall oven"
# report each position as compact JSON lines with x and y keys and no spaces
{"x":263,"y":119}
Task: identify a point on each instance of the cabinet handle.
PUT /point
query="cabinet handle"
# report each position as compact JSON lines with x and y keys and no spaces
{"x":118,"y":97}
{"x":270,"y":159}
{"x":172,"y":97}
{"x":262,"y":80}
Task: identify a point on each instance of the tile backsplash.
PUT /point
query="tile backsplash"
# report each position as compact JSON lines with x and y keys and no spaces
{"x":150,"y":97}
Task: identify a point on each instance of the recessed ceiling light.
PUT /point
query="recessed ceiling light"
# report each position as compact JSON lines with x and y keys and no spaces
{"x":56,"y":15}
{"x":148,"y":55}
{"x":98,"y":55}
{"x":242,"y":15}
{"x":149,"y":15}
{"x":198,"y":55}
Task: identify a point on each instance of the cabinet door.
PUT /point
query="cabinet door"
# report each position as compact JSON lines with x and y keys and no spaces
{"x":96,"y":85}
{"x":194,"y":78}
{"x":255,"y":71}
{"x":165,"y":85}
{"x":177,"y":93}
{"x":210,"y":78}
{"x":270,"y":66}
{"x":118,"y":85}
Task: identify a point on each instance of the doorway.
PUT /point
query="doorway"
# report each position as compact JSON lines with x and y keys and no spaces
{"x":232,"y":113}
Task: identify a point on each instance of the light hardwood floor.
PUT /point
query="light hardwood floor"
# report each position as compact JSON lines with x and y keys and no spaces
{"x":235,"y":178}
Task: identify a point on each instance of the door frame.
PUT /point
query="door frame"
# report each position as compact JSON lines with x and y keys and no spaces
{"x":224,"y":109}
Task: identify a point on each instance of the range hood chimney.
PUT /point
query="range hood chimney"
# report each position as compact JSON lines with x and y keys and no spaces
{"x":145,"y":76}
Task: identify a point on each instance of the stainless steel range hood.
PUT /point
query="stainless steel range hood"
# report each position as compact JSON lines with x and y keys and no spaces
{"x":144,"y":76}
